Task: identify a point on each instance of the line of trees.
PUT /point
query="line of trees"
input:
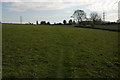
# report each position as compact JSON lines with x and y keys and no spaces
{"x":65,"y":22}
{"x":43,"y":23}
{"x":70,"y":22}
{"x":80,"y":18}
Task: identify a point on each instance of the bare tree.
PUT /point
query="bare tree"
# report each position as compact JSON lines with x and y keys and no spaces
{"x":79,"y":16}
{"x":95,"y":17}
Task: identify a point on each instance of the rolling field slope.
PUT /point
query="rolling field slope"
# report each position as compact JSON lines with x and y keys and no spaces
{"x":42,"y":51}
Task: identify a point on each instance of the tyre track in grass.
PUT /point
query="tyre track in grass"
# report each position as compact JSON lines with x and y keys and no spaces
{"x":60,"y":65}
{"x":63,"y":56}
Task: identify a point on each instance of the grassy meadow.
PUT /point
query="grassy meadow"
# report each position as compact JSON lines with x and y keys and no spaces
{"x":58,"y":51}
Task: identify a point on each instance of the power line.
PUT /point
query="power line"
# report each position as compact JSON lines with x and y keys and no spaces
{"x":103,"y":15}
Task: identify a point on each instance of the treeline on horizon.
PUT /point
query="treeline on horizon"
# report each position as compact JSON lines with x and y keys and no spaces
{"x":80,"y":18}
{"x":71,"y":22}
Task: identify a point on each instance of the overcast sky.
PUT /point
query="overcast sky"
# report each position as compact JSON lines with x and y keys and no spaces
{"x":54,"y":10}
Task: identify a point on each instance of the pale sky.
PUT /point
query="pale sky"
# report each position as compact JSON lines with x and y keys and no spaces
{"x":54,"y":10}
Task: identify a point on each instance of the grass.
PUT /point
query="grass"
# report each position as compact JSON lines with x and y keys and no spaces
{"x":113,"y":27}
{"x":38,"y":51}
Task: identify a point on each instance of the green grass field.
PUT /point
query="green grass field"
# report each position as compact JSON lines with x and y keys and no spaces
{"x":113,"y":27}
{"x":42,"y":51}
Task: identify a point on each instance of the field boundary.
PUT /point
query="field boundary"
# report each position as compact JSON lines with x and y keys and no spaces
{"x":98,"y":28}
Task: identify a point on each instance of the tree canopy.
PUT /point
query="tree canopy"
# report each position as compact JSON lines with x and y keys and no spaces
{"x":64,"y":22}
{"x":79,"y":15}
{"x":95,"y":17}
